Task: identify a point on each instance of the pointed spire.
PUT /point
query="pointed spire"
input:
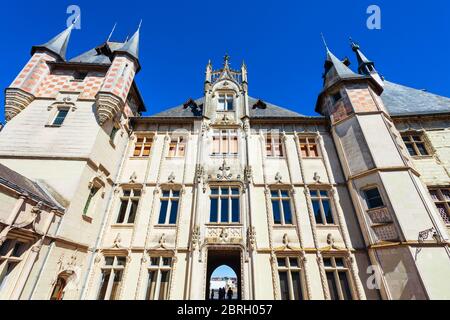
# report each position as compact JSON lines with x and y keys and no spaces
{"x":131,"y":46}
{"x":336,"y":69}
{"x":208,"y":73}
{"x":58,"y":44}
{"x":226,"y":60}
{"x":365,"y":66}
{"x":244,"y":71}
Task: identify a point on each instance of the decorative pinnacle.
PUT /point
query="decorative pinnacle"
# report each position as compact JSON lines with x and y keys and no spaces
{"x":226,"y":59}
{"x":354,"y":45}
{"x":324,"y":42}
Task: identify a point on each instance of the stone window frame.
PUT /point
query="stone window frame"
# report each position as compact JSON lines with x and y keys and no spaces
{"x":231,"y":135}
{"x":226,"y":96}
{"x":310,"y":141}
{"x":336,"y":270}
{"x":289,"y":269}
{"x":280,"y":198}
{"x":148,"y":140}
{"x":229,"y":197}
{"x":119,"y":263}
{"x":423,"y":140}
{"x":55,"y":108}
{"x":364,"y":195}
{"x":10,"y":260}
{"x":170,"y":198}
{"x":275,"y":140}
{"x":179,"y":142}
{"x":441,"y":199}
{"x":319,"y":197}
{"x":159,"y":268}
{"x":129,"y":199}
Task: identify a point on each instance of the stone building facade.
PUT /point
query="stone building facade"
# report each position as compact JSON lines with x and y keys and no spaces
{"x":99,"y":202}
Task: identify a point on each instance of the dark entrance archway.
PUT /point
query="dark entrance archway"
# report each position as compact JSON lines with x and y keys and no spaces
{"x":217,"y":258}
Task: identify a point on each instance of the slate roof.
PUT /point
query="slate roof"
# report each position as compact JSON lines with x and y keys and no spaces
{"x":96,"y":56}
{"x":21,"y":184}
{"x":57,"y":44}
{"x":271,"y":111}
{"x":402,"y":100}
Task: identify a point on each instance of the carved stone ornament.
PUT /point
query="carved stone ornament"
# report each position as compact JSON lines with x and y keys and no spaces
{"x":248,"y":174}
{"x":278,"y":178}
{"x":171,"y":178}
{"x":316,"y":177}
{"x":224,"y":171}
{"x":196,"y":237}
{"x":15,"y":101}
{"x":251,"y":238}
{"x":108,"y":106}
{"x":117,"y":241}
{"x":133,"y":177}
{"x":30,"y":218}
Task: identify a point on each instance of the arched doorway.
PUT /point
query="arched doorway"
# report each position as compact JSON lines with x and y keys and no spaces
{"x":224,"y":270}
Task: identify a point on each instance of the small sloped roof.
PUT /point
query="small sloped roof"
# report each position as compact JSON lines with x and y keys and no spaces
{"x":402,"y":100}
{"x":21,"y":184}
{"x":270,"y":111}
{"x":94,"y":55}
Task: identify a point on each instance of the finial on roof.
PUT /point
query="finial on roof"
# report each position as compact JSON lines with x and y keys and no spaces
{"x":354,"y":45}
{"x":324,"y":42}
{"x":112,"y":31}
{"x":58,"y":44}
{"x":226,"y":59}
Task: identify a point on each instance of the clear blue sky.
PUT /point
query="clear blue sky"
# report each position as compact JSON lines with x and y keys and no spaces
{"x":279,"y":40}
{"x":224,"y":271}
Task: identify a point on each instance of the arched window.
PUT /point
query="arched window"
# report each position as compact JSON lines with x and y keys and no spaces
{"x":58,"y":290}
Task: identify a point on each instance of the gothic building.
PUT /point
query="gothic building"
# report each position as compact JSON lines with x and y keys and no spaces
{"x":99,"y":202}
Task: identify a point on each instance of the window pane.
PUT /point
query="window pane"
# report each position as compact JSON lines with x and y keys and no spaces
{"x":233,"y":145}
{"x":121,"y":261}
{"x":293,"y":262}
{"x":345,"y":286}
{"x":284,"y":287}
{"x":104,"y":284}
{"x":234,"y":191}
{"x":154,"y":261}
{"x":167,"y":262}
{"x":423,"y":151}
{"x":327,"y":262}
{"x":373,"y":198}
{"x":274,"y":194}
{"x":122,"y":211}
{"x":116,"y":285}
{"x":327,"y":209}
{"x":287,"y":212}
{"x":339,"y":262}
{"x":229,"y":104}
{"x":224,"y":145}
{"x":109,"y":261}
{"x":297,"y":286}
{"x":443,"y":212}
{"x":281,"y":262}
{"x":235,"y":210}
{"x":225,"y":190}
{"x":164,"y":286}
{"x":58,"y":290}
{"x":216,"y":145}
{"x":285,"y":193}
{"x":411,"y":149}
{"x":313,"y":150}
{"x":316,"y":209}
{"x":151,"y":285}
{"x":163,"y":212}
{"x":173,"y":212}
{"x":175,"y":194}
{"x":213,"y":213}
{"x":332,"y":286}
{"x":214,"y":191}
{"x":224,"y":210}
{"x":6,"y":246}
{"x":60,"y":117}
{"x":304,"y":151}
{"x":446,"y":194}
{"x":276,"y":212}
{"x":132,"y":216}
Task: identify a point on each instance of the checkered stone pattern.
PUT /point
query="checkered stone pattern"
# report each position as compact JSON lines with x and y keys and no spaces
{"x":361,"y":98}
{"x":56,"y":83}
{"x":119,"y":77}
{"x":34,"y":72}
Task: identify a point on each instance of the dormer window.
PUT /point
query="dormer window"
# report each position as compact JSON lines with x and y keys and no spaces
{"x":336,"y":97}
{"x":225,"y":102}
{"x":80,"y":75}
